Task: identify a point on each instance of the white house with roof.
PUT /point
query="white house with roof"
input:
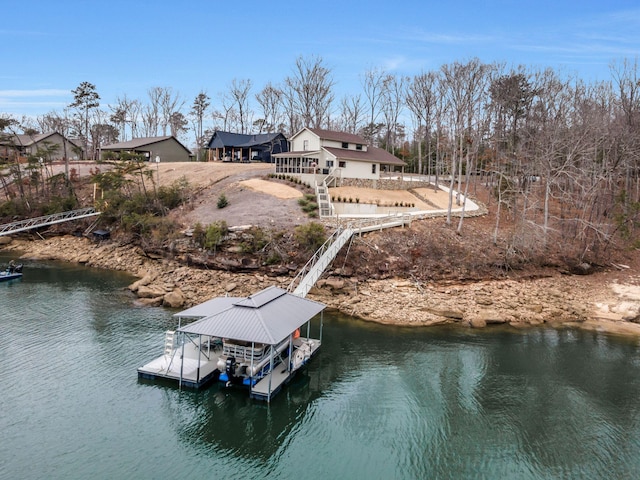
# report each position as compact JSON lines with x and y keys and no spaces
{"x":316,"y":154}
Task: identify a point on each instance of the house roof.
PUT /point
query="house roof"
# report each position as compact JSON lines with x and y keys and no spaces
{"x":268,"y":316}
{"x":28,"y":140}
{"x":139,"y":143}
{"x":372,"y":155}
{"x":221,"y":139}
{"x":337,"y":136}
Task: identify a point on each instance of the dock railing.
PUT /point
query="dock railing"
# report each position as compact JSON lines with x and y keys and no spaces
{"x":321,"y":259}
{"x":371,"y":224}
{"x":324,"y":256}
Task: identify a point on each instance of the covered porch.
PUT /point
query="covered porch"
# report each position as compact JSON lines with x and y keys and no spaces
{"x":295,"y":163}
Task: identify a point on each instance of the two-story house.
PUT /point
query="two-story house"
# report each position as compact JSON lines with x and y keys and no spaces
{"x":316,"y":154}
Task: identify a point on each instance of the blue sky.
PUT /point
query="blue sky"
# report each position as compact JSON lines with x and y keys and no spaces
{"x":126,"y":47}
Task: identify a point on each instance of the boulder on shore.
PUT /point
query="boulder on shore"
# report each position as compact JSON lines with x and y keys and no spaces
{"x":174,"y":299}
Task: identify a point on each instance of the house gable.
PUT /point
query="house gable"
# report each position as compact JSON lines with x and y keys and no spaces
{"x":313,"y":139}
{"x":168,"y":148}
{"x":56,"y":144}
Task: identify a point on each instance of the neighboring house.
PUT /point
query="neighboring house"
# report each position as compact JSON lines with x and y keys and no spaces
{"x":239,"y":147}
{"x":163,"y":149}
{"x":54,"y":146}
{"x":315,"y":152}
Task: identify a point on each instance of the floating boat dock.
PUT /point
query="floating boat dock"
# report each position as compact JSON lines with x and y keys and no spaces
{"x":257,"y":342}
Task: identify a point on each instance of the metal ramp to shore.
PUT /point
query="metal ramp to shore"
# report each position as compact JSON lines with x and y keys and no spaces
{"x":31,"y":223}
{"x":324,"y":256}
{"x":315,"y":267}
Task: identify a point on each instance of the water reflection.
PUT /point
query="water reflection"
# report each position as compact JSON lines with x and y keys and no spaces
{"x":377,"y":402}
{"x":226,"y":421}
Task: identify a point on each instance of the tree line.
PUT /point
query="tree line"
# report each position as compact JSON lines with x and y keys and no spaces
{"x":561,"y":154}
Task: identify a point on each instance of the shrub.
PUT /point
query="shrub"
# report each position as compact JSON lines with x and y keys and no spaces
{"x":222,"y":201}
{"x":310,"y":207}
{"x":310,"y":235}
{"x":139,"y":223}
{"x":173,"y":195}
{"x":198,"y":234}
{"x":215,"y":234}
{"x":254,"y":240}
{"x":273,"y":258}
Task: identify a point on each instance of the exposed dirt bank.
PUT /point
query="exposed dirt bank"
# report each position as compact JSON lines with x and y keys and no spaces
{"x":607,"y":301}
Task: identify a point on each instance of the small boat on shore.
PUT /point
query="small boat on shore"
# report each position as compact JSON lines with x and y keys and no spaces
{"x":12,"y":272}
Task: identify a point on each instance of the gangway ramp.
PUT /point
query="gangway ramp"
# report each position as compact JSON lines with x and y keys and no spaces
{"x":324,"y":256}
{"x":36,"y":222}
{"x":315,"y":267}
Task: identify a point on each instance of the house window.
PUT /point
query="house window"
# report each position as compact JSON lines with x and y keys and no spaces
{"x":305,"y":145}
{"x":342,"y":164}
{"x":345,"y":145}
{"x":329,"y":163}
{"x":358,"y":146}
{"x":373,"y":168}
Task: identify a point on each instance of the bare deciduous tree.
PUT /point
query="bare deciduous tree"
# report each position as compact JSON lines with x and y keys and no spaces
{"x":309,"y":92}
{"x":351,"y":113}
{"x":373,"y":85}
{"x":270,"y":99}
{"x":238,"y":96}
{"x":393,"y":98}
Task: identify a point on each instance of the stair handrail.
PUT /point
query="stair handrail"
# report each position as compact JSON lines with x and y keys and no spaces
{"x":314,"y":259}
{"x":35,"y":222}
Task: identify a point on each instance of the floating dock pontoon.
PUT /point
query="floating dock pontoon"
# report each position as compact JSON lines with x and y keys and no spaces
{"x":258,"y":342}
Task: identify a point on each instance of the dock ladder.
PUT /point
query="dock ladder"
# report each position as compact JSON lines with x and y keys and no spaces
{"x":168,"y":342}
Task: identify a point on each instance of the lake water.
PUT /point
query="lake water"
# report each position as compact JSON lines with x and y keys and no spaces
{"x":376,"y":403}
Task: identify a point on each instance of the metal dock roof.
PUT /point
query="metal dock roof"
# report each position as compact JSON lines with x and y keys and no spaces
{"x":267,"y":317}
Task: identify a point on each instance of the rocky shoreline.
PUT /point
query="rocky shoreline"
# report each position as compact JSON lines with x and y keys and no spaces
{"x":607,"y":302}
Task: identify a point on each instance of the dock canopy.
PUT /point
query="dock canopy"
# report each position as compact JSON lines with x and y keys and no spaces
{"x":268,"y":316}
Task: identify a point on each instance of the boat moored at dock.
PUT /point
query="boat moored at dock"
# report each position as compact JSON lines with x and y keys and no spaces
{"x":258,"y":342}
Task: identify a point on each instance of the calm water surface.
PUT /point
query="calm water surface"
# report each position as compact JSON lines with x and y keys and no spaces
{"x":378,"y":402}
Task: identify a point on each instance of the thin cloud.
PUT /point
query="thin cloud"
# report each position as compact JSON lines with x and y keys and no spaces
{"x":39,"y":92}
{"x":11,"y":104}
{"x":450,"y":38}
